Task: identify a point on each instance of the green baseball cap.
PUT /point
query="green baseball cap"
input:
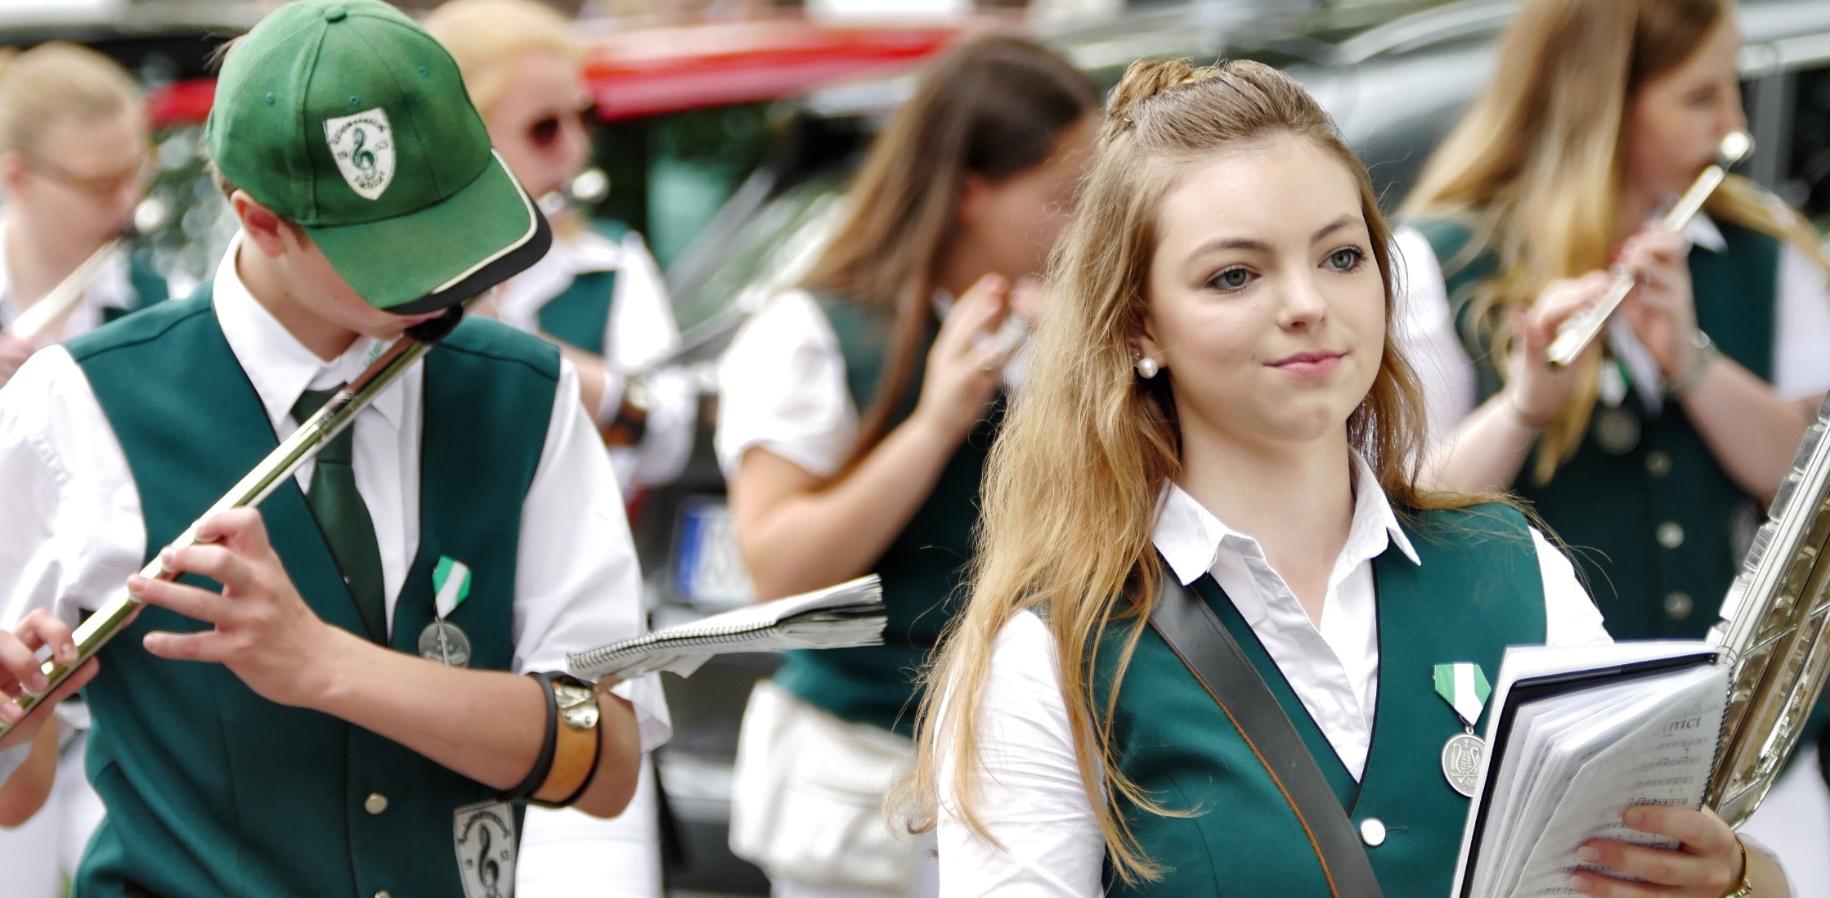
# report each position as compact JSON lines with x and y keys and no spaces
{"x":347,"y":119}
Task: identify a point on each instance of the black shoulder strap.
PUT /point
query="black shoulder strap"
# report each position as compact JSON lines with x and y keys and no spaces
{"x":1201,"y":641}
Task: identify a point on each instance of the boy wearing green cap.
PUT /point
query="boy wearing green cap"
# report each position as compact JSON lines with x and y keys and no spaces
{"x":295,"y":716}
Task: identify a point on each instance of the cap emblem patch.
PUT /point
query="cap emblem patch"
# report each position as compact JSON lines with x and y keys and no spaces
{"x":363,"y":145}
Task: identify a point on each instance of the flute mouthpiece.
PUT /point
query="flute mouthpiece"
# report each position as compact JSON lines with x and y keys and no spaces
{"x":1735,"y":146}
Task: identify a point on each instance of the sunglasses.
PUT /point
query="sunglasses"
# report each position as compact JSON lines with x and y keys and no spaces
{"x":105,"y":185}
{"x":543,"y":133}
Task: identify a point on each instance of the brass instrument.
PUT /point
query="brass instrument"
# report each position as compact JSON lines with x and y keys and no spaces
{"x":1772,"y":633}
{"x":1580,"y":329}
{"x":279,"y":465}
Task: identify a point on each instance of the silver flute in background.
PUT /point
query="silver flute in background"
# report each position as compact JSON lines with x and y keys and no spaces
{"x":279,"y":465}
{"x":1580,"y":329}
{"x":51,"y":310}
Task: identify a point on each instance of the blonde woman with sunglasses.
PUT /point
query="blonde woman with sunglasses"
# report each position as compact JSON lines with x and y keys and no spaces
{"x":599,"y":294}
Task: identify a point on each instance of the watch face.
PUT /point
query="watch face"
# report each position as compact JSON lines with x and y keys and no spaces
{"x":577,"y":705}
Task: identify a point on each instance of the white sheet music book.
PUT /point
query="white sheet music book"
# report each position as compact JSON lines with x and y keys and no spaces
{"x":1575,"y":737}
{"x":843,"y":616}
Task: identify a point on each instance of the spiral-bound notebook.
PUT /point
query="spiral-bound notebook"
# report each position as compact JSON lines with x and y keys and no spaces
{"x":843,"y":616}
{"x":1576,"y":736}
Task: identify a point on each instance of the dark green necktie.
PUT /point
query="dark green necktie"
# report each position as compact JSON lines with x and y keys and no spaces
{"x":345,"y":519}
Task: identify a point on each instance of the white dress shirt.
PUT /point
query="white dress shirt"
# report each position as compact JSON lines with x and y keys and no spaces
{"x":1427,"y":333}
{"x":1029,"y":793}
{"x":73,"y":530}
{"x":640,"y":330}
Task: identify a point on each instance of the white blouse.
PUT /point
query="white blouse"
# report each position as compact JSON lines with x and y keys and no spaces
{"x":1029,"y":793}
{"x":640,"y":331}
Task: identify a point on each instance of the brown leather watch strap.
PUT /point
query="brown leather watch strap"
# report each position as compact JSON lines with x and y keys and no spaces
{"x":576,"y":743}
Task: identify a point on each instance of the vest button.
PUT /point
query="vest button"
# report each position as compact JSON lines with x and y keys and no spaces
{"x":1670,"y":535}
{"x":376,"y":804}
{"x":1678,"y":605}
{"x":1372,"y":832}
{"x":1658,"y":464}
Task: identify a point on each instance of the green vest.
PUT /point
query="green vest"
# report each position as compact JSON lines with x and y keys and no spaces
{"x":923,"y":568}
{"x":1659,"y":530}
{"x":1477,"y":590}
{"x":580,"y":314}
{"x":148,"y":288}
{"x":212,"y":790}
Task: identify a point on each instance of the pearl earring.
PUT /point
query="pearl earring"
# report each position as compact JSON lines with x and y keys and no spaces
{"x":1147,"y":367}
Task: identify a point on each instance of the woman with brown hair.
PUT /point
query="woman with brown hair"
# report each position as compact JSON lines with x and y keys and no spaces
{"x":855,"y":414}
{"x":1656,"y":453}
{"x":1217,"y":417}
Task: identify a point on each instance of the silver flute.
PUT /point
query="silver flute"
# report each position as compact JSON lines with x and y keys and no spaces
{"x":279,"y":465}
{"x":1580,"y":329}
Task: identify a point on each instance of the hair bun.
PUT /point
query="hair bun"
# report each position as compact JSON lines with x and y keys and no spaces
{"x":1147,"y":78}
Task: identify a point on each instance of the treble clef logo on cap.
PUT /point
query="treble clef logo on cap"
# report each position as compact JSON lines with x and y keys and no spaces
{"x":360,"y":154}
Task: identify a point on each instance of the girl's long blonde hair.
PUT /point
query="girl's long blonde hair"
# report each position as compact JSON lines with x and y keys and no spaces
{"x":57,"y":81}
{"x":1537,"y":166}
{"x":1071,"y":490}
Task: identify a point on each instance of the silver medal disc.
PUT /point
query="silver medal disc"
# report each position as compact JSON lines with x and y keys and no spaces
{"x":1461,"y":762}
{"x":443,"y":642}
{"x":1616,"y":430}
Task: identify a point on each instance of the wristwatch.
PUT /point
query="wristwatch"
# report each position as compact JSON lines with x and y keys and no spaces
{"x":575,"y":744}
{"x":1703,"y":352}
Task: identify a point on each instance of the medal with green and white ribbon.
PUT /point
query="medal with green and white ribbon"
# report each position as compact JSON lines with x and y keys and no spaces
{"x":1465,"y":688}
{"x":442,"y":640}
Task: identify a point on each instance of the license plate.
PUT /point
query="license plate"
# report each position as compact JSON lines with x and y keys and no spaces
{"x":707,"y":571}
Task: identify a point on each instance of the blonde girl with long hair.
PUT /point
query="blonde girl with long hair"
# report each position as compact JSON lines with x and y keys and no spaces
{"x":1216,"y":398}
{"x":599,"y":295}
{"x":1688,"y":412}
{"x":1656,"y":454}
{"x":854,"y":417}
{"x":74,"y":156}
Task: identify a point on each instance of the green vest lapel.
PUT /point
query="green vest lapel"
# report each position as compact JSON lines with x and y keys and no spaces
{"x":580,"y":314}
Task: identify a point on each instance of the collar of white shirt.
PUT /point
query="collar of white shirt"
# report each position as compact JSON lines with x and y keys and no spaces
{"x":1703,"y":232}
{"x":112,"y":288}
{"x":279,"y":366}
{"x":1191,"y":538}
